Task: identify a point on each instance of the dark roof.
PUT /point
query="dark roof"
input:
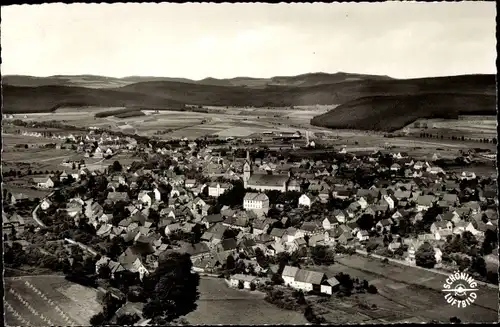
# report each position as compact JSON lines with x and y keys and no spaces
{"x":215,"y":218}
{"x":229,"y":244}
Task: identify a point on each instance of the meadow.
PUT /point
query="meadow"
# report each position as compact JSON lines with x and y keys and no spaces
{"x":405,"y":292}
{"x":219,"y":304}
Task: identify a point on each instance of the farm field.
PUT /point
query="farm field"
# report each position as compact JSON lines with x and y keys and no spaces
{"x":405,"y":290}
{"x":219,"y":304}
{"x":474,"y":127}
{"x":48,"y":300}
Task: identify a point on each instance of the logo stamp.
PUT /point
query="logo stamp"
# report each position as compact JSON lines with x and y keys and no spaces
{"x":460,"y":289}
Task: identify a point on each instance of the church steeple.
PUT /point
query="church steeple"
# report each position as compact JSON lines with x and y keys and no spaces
{"x":247,"y":169}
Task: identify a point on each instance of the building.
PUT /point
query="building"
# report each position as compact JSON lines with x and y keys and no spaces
{"x":44,"y":182}
{"x":306,"y":200}
{"x":247,"y":280}
{"x":217,"y":189}
{"x":256,"y":201}
{"x":262,"y":182}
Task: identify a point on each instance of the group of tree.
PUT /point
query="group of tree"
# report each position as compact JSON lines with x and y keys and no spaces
{"x":172,"y":289}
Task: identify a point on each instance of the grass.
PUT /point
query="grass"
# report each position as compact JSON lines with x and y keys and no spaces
{"x":219,"y":304}
{"x":396,"y":292}
{"x":74,"y":301}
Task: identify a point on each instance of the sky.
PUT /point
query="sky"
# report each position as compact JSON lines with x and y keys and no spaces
{"x":399,"y":39}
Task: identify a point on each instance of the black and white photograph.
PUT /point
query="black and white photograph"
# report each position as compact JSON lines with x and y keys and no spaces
{"x":249,"y":163}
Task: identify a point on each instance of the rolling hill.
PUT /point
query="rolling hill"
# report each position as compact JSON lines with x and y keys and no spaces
{"x":48,"y":98}
{"x":388,"y":106}
{"x":366,"y":102}
{"x":95,"y":81}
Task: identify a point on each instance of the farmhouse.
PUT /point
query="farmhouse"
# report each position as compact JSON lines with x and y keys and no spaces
{"x":306,"y":200}
{"x":44,"y":182}
{"x":17,"y":198}
{"x":245,"y":279}
{"x":46,"y":203}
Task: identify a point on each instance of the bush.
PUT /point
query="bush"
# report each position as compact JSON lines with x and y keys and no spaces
{"x":98,"y":319}
{"x":253,"y":286}
{"x":240,"y":285}
{"x":372,"y":289}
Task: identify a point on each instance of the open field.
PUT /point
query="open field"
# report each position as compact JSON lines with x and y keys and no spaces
{"x":219,"y":304}
{"x":468,"y":126}
{"x":411,"y":292}
{"x":48,"y":300}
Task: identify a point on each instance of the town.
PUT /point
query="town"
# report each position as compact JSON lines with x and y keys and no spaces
{"x":261,"y":219}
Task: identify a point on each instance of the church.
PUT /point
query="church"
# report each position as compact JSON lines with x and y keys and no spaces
{"x":263,"y":182}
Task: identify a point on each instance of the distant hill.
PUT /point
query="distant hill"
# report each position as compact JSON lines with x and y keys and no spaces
{"x":95,"y":81}
{"x":48,"y":98}
{"x":390,"y":105}
{"x":366,"y":102}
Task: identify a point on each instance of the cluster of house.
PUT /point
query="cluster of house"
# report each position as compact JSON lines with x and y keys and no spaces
{"x":244,"y":230}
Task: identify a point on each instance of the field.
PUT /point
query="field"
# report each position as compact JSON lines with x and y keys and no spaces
{"x":48,"y":301}
{"x":406,"y":292}
{"x":470,"y":127}
{"x":219,"y":304}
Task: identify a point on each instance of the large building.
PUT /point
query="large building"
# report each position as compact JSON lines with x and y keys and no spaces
{"x":263,"y":182}
{"x":256,"y":201}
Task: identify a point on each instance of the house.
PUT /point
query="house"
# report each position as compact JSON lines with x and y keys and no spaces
{"x":384,"y":224}
{"x":330,"y":222}
{"x":424,"y":202}
{"x":46,"y":203}
{"x":256,"y":201}
{"x":306,"y":200}
{"x":44,"y":182}
{"x":190,"y":183}
{"x":13,"y":223}
{"x":261,"y":226}
{"x":390,"y":200}
{"x":118,"y":196}
{"x":362,"y":235}
{"x":288,"y":275}
{"x":217,"y":189}
{"x":329,"y":286}
{"x":211,"y":220}
{"x":169,"y":229}
{"x":277,"y":234}
{"x":441,"y":225}
{"x":308,"y":280}
{"x":147,"y":197}
{"x":247,"y":280}
{"x":310,"y":228}
{"x":17,"y":198}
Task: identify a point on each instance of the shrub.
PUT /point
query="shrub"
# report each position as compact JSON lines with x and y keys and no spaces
{"x":372,"y":289}
{"x":253,"y":286}
{"x":240,"y":285}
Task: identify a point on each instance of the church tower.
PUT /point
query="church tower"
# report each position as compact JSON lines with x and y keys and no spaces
{"x":247,"y":169}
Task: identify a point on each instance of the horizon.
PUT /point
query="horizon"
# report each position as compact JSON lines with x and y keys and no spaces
{"x":234,"y":77}
{"x":224,"y":41}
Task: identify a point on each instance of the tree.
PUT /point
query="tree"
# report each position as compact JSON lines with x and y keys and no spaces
{"x":372,"y":289}
{"x":230,"y":263}
{"x":98,"y":319}
{"x":455,"y":320}
{"x":172,"y":287}
{"x":276,"y":279}
{"x":366,"y":222}
{"x":104,"y":271}
{"x":322,"y":255}
{"x":241,"y":285}
{"x":127,"y":319}
{"x":478,"y":265}
{"x":425,"y":256}
{"x":116,"y":166}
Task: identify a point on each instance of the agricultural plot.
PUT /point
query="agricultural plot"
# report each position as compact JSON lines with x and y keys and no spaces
{"x":48,"y":301}
{"x":219,"y":304}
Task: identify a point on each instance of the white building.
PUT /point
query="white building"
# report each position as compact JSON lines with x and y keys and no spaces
{"x":256,"y":201}
{"x":217,"y":189}
{"x":306,"y":200}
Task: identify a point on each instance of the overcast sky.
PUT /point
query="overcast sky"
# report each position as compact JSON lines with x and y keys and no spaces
{"x":401,"y":40}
